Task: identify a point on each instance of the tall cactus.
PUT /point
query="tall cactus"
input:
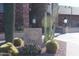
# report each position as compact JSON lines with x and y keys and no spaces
{"x":49,"y":21}
{"x":49,"y":28}
{"x":48,"y":24}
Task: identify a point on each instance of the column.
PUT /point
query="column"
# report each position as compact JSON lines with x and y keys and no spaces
{"x":8,"y":19}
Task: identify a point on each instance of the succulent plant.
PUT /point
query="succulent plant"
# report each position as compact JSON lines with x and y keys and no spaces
{"x":32,"y":48}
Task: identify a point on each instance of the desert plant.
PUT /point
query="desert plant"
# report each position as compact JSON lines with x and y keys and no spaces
{"x":32,"y":48}
{"x":9,"y":47}
{"x":51,"y":44}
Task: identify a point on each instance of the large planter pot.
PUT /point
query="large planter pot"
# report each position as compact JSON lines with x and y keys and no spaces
{"x":51,"y":47}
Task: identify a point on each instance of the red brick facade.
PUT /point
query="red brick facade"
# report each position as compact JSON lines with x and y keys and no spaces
{"x":18,"y":16}
{"x":22,"y":15}
{"x":26,"y":15}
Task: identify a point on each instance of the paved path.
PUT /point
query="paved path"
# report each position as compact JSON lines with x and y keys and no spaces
{"x":72,"y":40}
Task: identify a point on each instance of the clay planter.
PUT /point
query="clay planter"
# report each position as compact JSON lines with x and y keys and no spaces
{"x":51,"y":47}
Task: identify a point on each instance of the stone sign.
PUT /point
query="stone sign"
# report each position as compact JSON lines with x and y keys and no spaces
{"x":33,"y":35}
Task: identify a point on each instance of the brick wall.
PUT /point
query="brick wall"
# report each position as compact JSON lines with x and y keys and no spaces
{"x":18,"y":16}
{"x":22,"y":15}
{"x":26,"y":15}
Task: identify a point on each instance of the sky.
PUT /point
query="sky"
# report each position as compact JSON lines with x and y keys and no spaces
{"x":68,"y":4}
{"x":73,"y":3}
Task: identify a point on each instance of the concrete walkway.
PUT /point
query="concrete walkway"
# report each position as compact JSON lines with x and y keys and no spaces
{"x":72,"y":40}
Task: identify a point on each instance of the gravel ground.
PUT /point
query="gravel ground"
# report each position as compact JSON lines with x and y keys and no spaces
{"x":62,"y":49}
{"x":60,"y":52}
